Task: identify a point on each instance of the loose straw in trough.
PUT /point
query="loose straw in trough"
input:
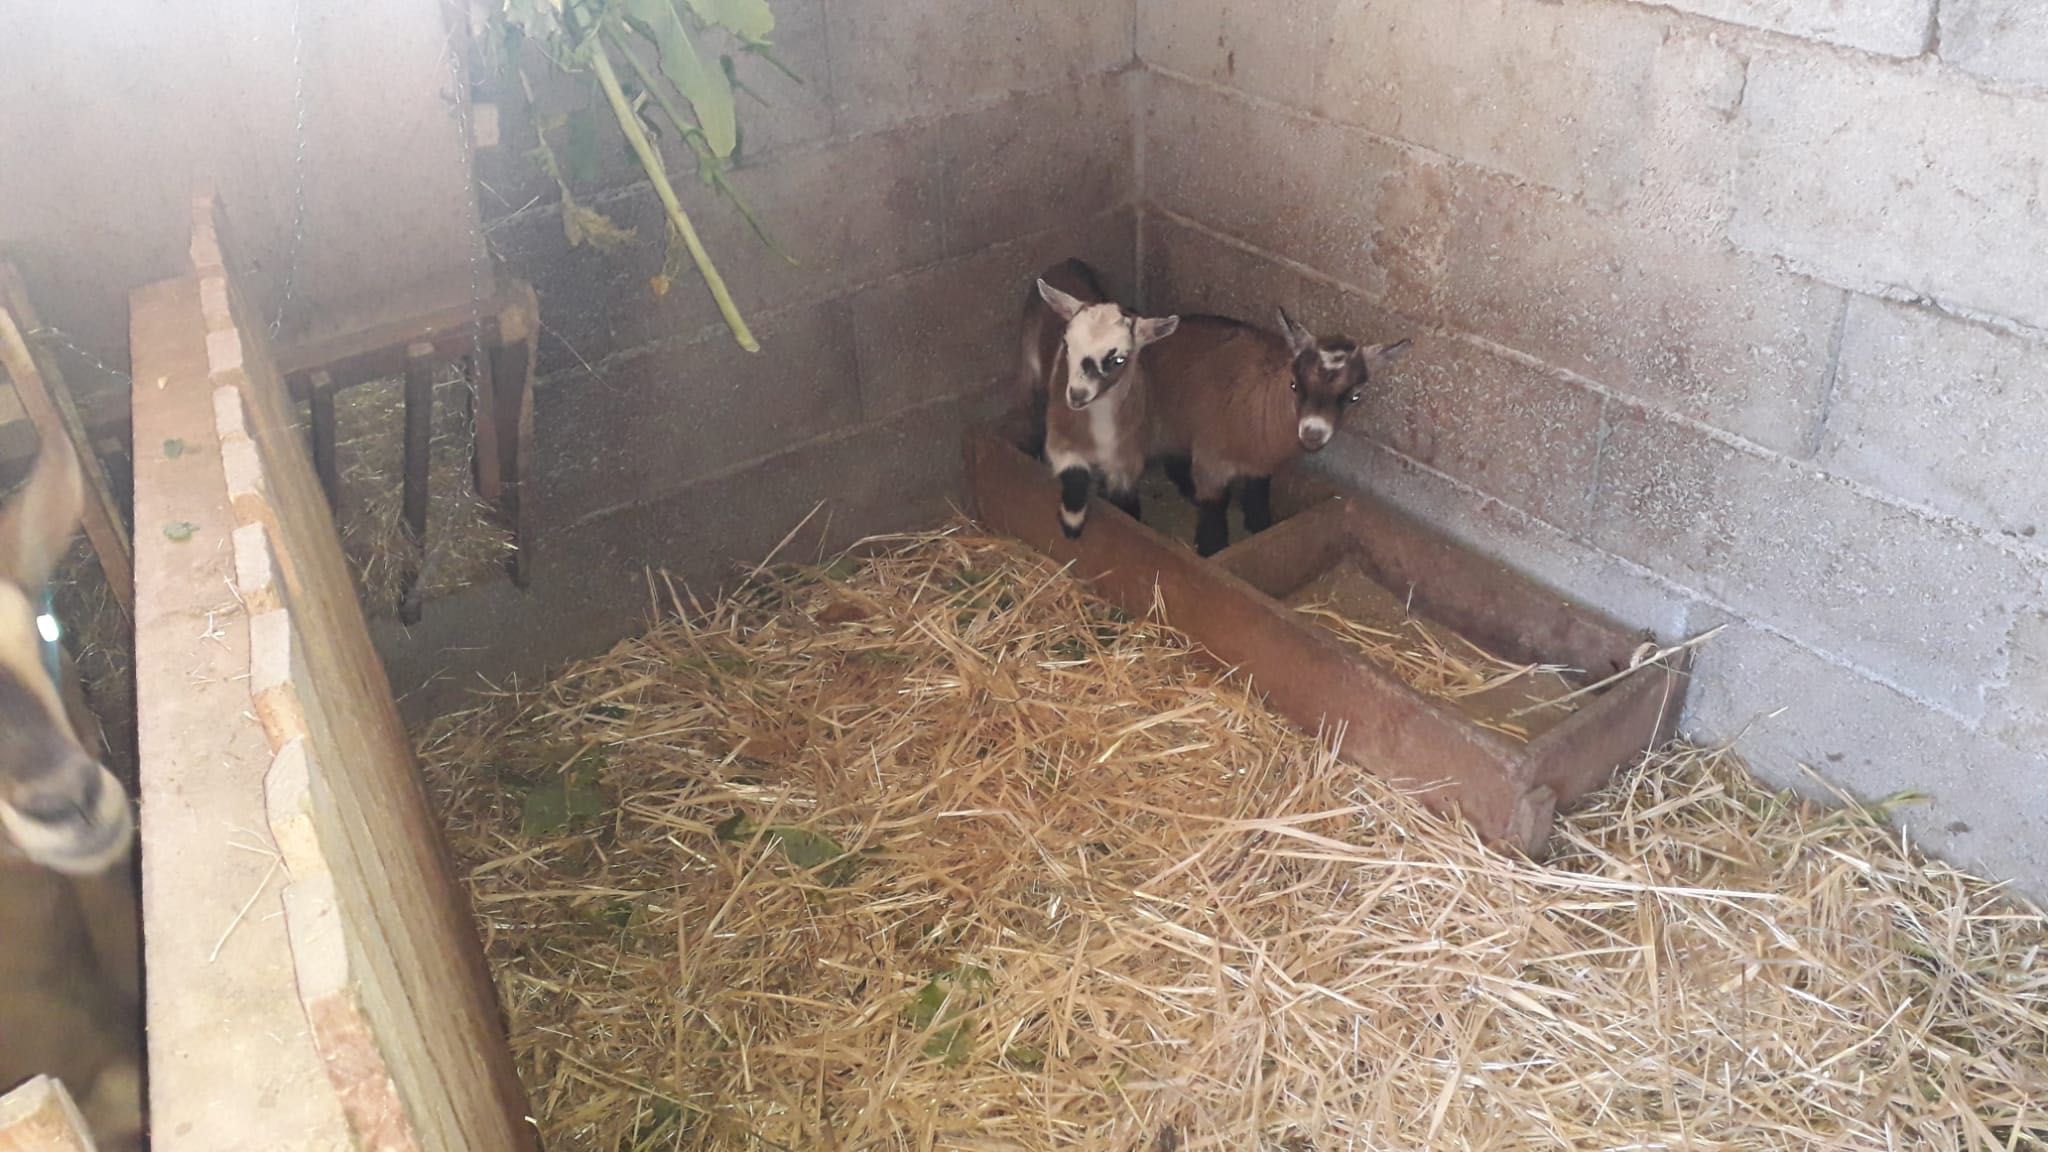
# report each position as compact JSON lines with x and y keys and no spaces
{"x":934,"y":850}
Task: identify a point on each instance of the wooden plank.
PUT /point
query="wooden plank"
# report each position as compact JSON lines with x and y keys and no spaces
{"x":414,"y":967}
{"x":320,"y":399}
{"x":513,"y":363}
{"x":48,"y":402}
{"x":419,"y":463}
{"x":39,"y":1116}
{"x":230,"y":1064}
{"x":489,"y":462}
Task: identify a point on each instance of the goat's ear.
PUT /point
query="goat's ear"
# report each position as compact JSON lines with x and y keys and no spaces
{"x":1151,"y":329}
{"x":40,"y":519}
{"x":1299,"y":339}
{"x":1381,"y":355}
{"x":1067,"y":306}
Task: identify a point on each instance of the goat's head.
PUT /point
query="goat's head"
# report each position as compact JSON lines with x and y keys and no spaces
{"x":1330,"y":375}
{"x":59,"y":806}
{"x":1101,"y":342}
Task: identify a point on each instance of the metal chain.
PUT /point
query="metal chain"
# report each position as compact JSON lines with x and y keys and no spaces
{"x":49,"y":335}
{"x":291,"y":263}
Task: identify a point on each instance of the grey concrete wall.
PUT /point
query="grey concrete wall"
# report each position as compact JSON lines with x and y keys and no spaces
{"x":1727,"y":311}
{"x":936,"y":155}
{"x":112,"y":113}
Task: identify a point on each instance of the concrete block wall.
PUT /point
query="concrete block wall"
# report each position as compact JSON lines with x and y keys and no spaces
{"x":937,"y":153}
{"x":1726,"y":311}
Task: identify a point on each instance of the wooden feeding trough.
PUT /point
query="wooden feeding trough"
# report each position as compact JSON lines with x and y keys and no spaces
{"x":1233,"y":604}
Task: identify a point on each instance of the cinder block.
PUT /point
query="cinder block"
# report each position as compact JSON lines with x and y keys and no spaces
{"x":851,"y":212}
{"x":1858,"y":174}
{"x":901,"y":474}
{"x":1887,"y":27}
{"x":2017,"y":706}
{"x":1325,"y":195}
{"x":1916,"y":601}
{"x":223,"y":351}
{"x":679,"y":412}
{"x":1987,"y":805}
{"x":1512,"y":432}
{"x":1580,"y":97}
{"x":1698,"y":329}
{"x":1538,"y":549}
{"x":288,"y":808}
{"x":248,"y":489}
{"x":952,"y":330}
{"x":1270,"y":50}
{"x":1191,"y":271}
{"x":893,"y":61}
{"x":2003,"y":40}
{"x":1038,"y":162}
{"x":1942,"y":412}
{"x":274,"y":678}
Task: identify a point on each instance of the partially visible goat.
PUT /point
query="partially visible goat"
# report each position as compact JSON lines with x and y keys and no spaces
{"x":1232,"y":401}
{"x":1082,"y":355}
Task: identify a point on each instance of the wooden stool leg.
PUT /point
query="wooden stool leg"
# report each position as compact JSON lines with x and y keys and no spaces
{"x":513,"y":365}
{"x":483,"y":422}
{"x":419,"y":429}
{"x":321,"y":400}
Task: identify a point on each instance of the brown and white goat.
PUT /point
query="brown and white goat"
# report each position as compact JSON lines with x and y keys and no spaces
{"x":70,"y":963}
{"x":1083,"y":358}
{"x":1233,"y":401}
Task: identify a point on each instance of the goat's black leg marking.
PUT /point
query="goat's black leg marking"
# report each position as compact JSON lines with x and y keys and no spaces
{"x":1180,"y":470}
{"x":1075,"y":485}
{"x":1212,"y":525}
{"x":1127,"y":499}
{"x":1257,"y":502}
{"x":1034,"y":443}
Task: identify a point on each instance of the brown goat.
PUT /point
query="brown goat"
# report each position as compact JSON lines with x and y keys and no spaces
{"x":1081,"y":356}
{"x":70,"y":963}
{"x":1233,"y":401}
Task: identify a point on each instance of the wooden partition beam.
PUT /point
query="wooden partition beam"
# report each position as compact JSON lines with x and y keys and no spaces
{"x":230,"y":1062}
{"x":399,"y":1001}
{"x":49,"y":406}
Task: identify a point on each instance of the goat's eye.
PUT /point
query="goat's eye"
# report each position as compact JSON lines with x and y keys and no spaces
{"x":1354,"y":397}
{"x":1114,"y":360}
{"x":1294,"y":384}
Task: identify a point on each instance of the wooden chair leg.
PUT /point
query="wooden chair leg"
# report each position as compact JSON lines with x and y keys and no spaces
{"x":320,"y":397}
{"x":419,"y":428}
{"x":487,"y":460}
{"x":513,"y":369}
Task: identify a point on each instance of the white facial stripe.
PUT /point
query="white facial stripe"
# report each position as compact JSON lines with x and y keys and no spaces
{"x":1335,"y":359}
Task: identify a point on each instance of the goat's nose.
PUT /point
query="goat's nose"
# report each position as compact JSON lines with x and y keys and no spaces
{"x":77,"y":821}
{"x":1315,"y":432}
{"x":1079,"y":398}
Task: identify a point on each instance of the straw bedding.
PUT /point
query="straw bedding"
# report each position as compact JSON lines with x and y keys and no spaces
{"x":934,"y":850}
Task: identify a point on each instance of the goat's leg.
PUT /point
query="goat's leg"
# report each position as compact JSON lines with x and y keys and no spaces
{"x":1212,"y":508}
{"x":1181,"y":470}
{"x":1256,"y":498}
{"x":1124,"y":494}
{"x":1075,"y":485}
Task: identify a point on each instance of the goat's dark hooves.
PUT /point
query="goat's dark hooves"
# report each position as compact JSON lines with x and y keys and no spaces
{"x":1070,"y":531}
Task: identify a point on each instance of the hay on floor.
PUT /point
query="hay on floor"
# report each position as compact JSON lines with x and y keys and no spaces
{"x":937,"y":851}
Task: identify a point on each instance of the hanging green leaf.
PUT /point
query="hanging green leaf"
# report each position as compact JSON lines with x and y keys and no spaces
{"x":750,"y":20}
{"x":706,"y":88}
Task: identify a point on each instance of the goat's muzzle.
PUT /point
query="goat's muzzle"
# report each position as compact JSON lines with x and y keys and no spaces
{"x":1080,"y":396}
{"x":74,"y":819}
{"x":1314,"y":432}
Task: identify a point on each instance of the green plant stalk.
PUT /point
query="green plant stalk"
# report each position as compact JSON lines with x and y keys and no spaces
{"x":650,"y":160}
{"x":694,"y":137}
